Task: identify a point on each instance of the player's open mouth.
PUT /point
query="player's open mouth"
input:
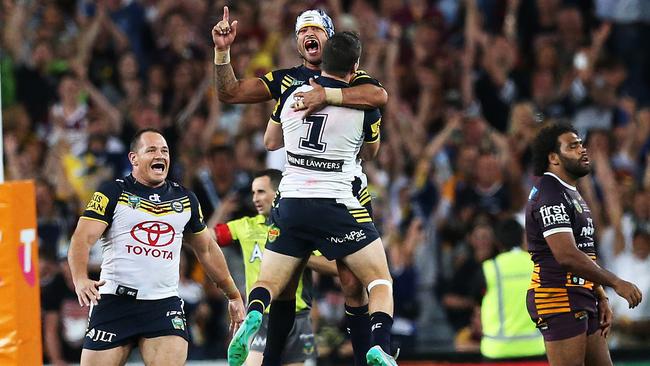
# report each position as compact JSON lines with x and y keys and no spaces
{"x":158,"y":167}
{"x":585,"y":160}
{"x":311,"y":46}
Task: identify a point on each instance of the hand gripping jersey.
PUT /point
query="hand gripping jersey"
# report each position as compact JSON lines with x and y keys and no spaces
{"x":279,"y":81}
{"x":141,"y":245}
{"x":322,"y":149}
{"x":553,"y":207}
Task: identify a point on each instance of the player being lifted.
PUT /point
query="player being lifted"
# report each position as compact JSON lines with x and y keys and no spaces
{"x":142,"y":221}
{"x":316,"y":210}
{"x":250,"y":234}
{"x":312,"y":28}
{"x":566,"y":299}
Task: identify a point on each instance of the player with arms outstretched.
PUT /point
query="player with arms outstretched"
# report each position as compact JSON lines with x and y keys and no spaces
{"x":142,"y":221}
{"x":566,"y":299}
{"x":313,"y":28}
{"x":316,"y":210}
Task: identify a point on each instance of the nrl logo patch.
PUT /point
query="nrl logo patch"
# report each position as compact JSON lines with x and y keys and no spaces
{"x":273,"y":234}
{"x":177,"y":206}
{"x":178,"y":323}
{"x":134,"y":202}
{"x":576,"y":204}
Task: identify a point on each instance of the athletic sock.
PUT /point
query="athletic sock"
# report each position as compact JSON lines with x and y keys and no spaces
{"x":258,"y":299}
{"x":381,"y":324}
{"x":358,"y":321}
{"x":281,"y":318}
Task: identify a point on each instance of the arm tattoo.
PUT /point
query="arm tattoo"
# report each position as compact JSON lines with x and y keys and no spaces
{"x":224,"y":79}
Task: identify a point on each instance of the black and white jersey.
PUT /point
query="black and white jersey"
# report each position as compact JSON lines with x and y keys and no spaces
{"x":322,"y":149}
{"x":142,"y":243}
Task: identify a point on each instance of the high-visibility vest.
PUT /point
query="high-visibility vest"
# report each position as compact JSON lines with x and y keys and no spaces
{"x":508,"y":330}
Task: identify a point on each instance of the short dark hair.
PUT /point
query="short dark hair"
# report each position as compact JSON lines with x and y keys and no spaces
{"x":340,"y":53}
{"x":135,"y":141}
{"x":509,"y":234}
{"x":275,"y":176}
{"x":547,"y":142}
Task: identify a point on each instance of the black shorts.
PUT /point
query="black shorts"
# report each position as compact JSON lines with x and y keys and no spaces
{"x":362,"y":194}
{"x":301,"y":225}
{"x":119,"y":320}
{"x":300,"y":345}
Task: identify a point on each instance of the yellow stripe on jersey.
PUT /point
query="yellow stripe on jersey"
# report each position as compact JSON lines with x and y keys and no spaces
{"x":287,"y":81}
{"x":551,"y":300}
{"x":554,"y":311}
{"x":155,"y":207}
{"x":154,"y":212}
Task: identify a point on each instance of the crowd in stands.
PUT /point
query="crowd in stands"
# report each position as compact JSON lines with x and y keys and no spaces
{"x":469,"y":83}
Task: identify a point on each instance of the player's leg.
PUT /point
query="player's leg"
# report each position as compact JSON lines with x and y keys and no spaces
{"x":169,"y":350}
{"x":565,"y":333}
{"x":567,"y":352}
{"x":110,"y":357}
{"x":276,"y":271}
{"x":350,"y":236}
{"x":256,"y":350}
{"x":282,"y":316}
{"x":369,"y":265}
{"x":597,"y":353}
{"x":356,"y":313}
{"x":110,"y":332}
{"x":254,"y":358}
{"x":356,"y":298}
{"x":300,"y":345}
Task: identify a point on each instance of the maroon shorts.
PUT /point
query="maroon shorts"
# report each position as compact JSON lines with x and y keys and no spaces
{"x":556,"y":326}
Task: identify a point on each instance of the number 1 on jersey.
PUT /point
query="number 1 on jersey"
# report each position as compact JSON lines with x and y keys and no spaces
{"x":313,"y":140}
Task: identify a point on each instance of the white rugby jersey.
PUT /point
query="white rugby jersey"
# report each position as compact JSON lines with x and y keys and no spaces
{"x":322,"y":149}
{"x":142,"y":243}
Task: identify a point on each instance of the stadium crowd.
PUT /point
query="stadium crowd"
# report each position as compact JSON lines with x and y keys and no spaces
{"x":469,"y":83}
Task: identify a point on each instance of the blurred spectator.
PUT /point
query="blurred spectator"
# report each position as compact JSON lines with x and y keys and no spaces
{"x":222,"y":182}
{"x":64,"y":324}
{"x":457,"y":292}
{"x":55,"y":220}
{"x":632,"y":326}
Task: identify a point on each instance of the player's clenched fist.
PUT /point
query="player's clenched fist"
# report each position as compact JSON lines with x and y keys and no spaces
{"x":629,"y":292}
{"x":224,"y":32}
{"x":87,"y":291}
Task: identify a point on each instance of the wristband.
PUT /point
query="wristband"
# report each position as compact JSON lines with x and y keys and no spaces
{"x":222,"y":57}
{"x":334,"y":96}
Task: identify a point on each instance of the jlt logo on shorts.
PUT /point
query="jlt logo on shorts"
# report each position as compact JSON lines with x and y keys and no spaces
{"x":100,"y":335}
{"x":552,"y":215}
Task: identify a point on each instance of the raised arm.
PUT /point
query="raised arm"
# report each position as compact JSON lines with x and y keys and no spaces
{"x":229,"y":88}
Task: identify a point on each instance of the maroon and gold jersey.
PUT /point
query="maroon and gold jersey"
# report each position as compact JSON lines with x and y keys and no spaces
{"x":554,"y":207}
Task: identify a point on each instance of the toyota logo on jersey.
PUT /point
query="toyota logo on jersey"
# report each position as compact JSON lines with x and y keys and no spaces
{"x":153,"y":233}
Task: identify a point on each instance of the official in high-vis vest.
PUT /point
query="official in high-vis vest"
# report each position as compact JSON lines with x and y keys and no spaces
{"x":507,"y":329}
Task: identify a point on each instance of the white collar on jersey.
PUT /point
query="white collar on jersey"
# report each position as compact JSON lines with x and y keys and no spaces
{"x":561,"y":181}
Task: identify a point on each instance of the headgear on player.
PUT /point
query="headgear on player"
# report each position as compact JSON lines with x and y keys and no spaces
{"x":315,"y":18}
